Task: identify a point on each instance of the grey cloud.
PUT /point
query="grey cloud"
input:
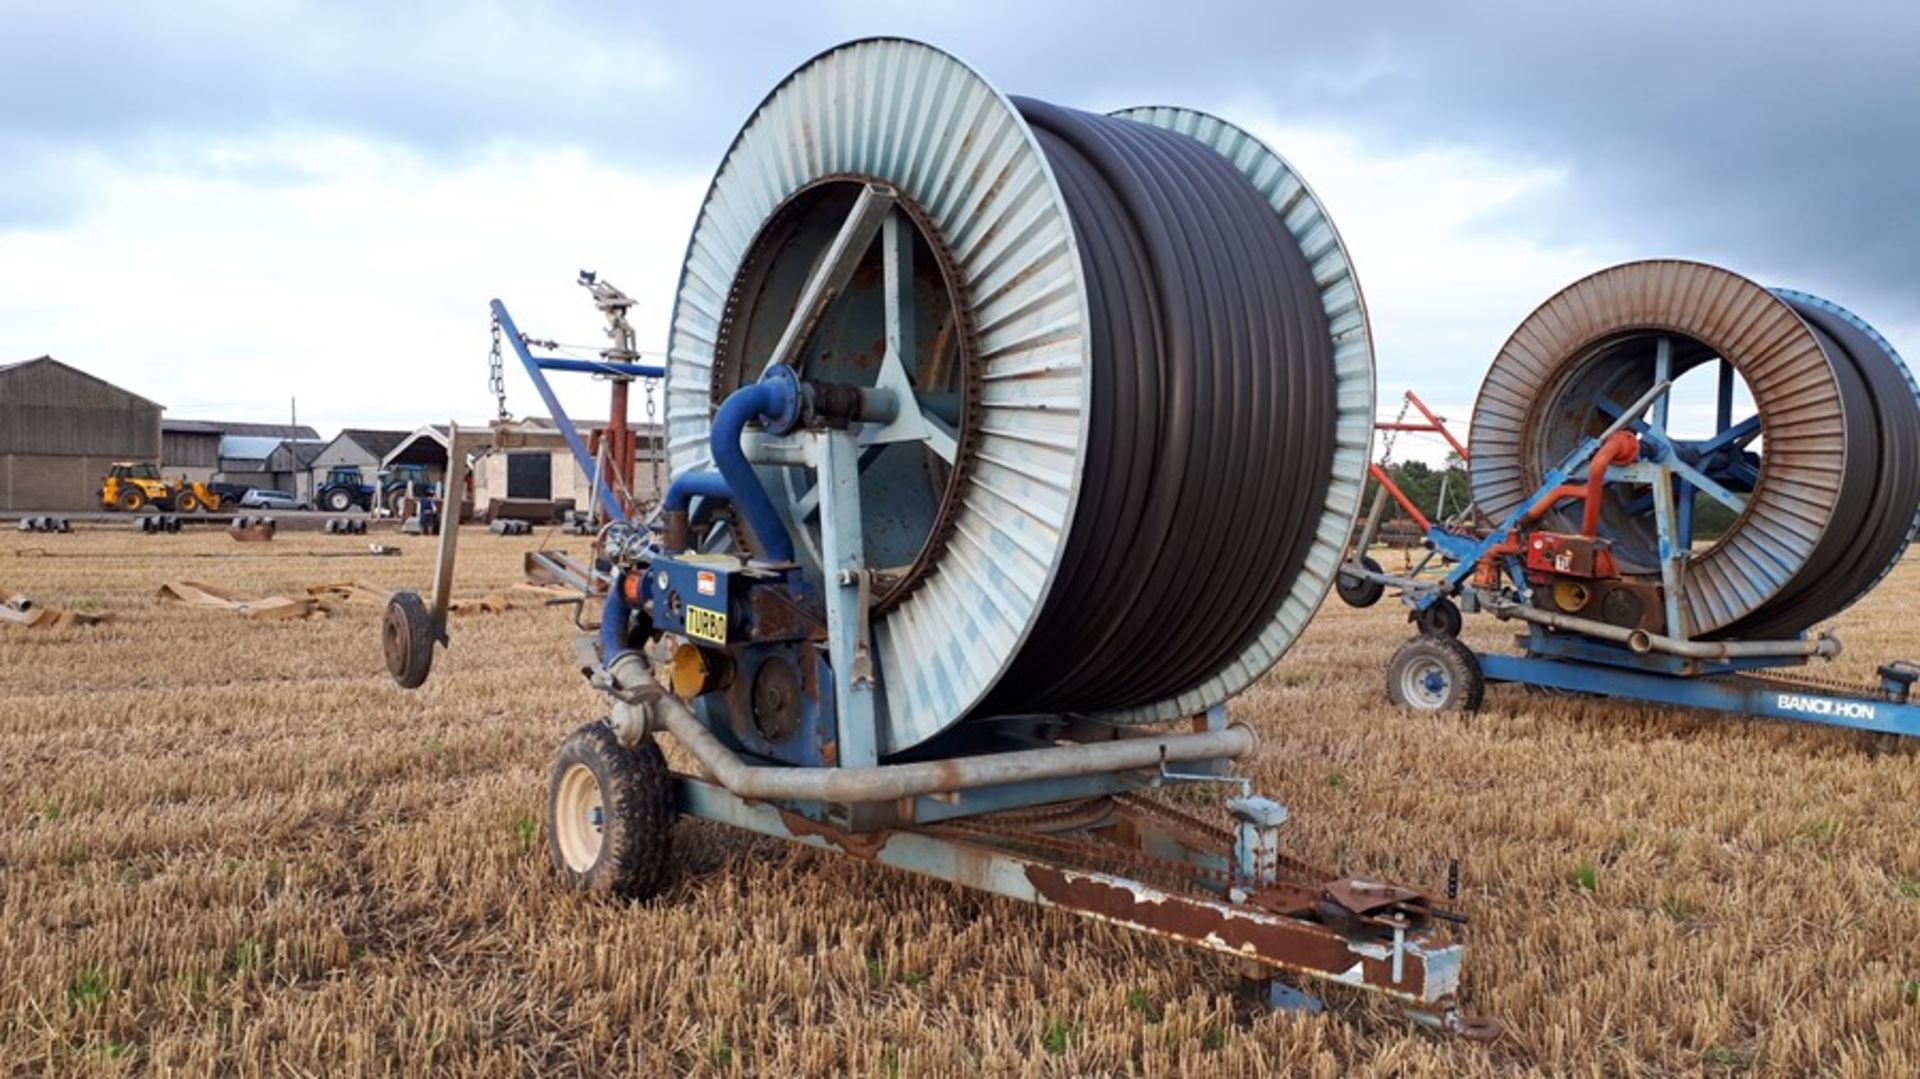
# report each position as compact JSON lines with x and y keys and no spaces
{"x":1776,"y":137}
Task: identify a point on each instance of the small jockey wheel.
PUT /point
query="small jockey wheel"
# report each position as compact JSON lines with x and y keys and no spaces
{"x":1357,"y":591}
{"x":1441,"y":618}
{"x":1436,"y":674}
{"x":407,"y":638}
{"x":610,"y":814}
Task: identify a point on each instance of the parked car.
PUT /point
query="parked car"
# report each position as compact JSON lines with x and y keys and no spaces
{"x":266,"y":498}
{"x":230,"y":493}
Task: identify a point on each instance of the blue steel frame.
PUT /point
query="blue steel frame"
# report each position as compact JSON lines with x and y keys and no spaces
{"x":537,"y":367}
{"x":1891,"y":712}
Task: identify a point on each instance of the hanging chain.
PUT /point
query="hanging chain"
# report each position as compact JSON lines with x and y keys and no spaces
{"x":654,"y":449}
{"x":496,"y":371}
{"x":1386,"y":444}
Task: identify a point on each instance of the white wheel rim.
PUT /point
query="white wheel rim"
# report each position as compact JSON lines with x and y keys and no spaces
{"x":577,"y":815}
{"x":1425,"y":683}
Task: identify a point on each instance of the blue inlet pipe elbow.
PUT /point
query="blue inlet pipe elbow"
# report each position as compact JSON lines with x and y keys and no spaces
{"x":775,"y":402}
{"x":690,"y":485}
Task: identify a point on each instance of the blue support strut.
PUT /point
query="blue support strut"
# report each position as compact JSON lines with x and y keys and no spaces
{"x":600,"y":367}
{"x":567,"y":431}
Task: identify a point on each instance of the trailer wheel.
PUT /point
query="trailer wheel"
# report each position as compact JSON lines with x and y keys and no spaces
{"x":1357,"y":591}
{"x":610,"y":814}
{"x":1436,"y":674}
{"x":1440,"y":619}
{"x":406,"y":637}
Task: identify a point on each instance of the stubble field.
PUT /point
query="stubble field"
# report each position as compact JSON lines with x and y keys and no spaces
{"x":234,"y":846}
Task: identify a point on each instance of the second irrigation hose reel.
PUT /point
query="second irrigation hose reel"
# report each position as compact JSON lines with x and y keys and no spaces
{"x":1589,"y":476}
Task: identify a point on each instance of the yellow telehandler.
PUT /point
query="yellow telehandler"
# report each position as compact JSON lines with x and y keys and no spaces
{"x":133,"y":487}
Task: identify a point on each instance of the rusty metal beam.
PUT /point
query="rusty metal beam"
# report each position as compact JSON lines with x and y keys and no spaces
{"x":1420,"y":969}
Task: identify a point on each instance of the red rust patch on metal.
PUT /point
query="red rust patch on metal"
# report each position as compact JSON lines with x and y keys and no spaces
{"x":1291,"y":943}
{"x":865,"y":846}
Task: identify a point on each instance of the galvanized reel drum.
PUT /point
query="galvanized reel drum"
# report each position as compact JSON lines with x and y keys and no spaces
{"x":1143,"y":413}
{"x":1824,"y":475}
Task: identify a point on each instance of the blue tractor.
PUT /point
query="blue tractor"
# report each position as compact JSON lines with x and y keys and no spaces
{"x":344,"y":489}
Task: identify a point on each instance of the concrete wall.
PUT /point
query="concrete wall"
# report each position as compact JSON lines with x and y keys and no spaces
{"x":52,"y":481}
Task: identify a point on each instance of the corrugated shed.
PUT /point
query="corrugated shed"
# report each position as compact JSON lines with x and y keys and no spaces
{"x":293,"y":455}
{"x":50,"y":409}
{"x":226,"y":427}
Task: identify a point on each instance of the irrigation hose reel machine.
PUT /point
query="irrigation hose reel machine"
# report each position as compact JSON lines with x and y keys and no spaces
{"x":1007,"y":442}
{"x":1587,"y":469}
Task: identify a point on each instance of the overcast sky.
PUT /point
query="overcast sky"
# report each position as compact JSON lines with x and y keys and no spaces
{"x":226,"y":205}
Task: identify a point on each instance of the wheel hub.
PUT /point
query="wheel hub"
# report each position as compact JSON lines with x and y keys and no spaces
{"x":579,"y":815}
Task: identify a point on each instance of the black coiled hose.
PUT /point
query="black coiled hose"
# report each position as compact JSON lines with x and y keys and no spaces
{"x":1211,"y":431}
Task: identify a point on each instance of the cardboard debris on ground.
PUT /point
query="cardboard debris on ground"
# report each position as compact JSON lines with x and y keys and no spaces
{"x":361,"y":592}
{"x":252,"y":608}
{"x":19,"y":609}
{"x":318,"y":601}
{"x":349,"y":592}
{"x":488,"y":604}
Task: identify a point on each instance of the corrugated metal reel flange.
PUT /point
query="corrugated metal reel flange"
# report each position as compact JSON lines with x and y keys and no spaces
{"x":1840,"y":431}
{"x":957,"y":149}
{"x":978,"y":186}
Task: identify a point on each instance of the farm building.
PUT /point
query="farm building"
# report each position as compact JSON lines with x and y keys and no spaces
{"x":360,"y":447}
{"x":530,"y":462}
{"x":292,"y":465}
{"x":60,"y":430}
{"x":193,"y":448}
{"x":533,"y":463}
{"x":283,"y":464}
{"x":426,"y":447}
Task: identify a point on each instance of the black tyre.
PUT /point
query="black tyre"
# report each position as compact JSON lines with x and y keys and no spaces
{"x":1356,"y":591}
{"x":336,"y":501}
{"x":1436,"y":674}
{"x":187,"y":502}
{"x":1440,"y":619}
{"x":610,"y":814}
{"x":130,"y":500}
{"x":406,"y":637}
